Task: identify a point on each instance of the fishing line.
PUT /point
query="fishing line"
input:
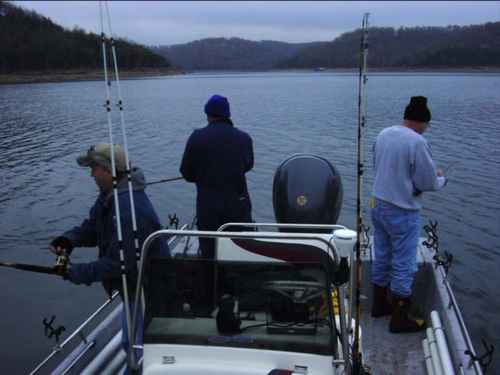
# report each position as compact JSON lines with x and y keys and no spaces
{"x":451,"y":168}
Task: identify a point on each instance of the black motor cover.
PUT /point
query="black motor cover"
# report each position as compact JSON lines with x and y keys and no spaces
{"x":307,"y":189}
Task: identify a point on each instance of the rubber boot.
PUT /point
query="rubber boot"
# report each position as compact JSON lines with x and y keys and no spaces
{"x":380,"y":304}
{"x":401,"y":322}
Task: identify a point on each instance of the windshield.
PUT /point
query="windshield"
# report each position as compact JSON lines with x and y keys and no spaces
{"x":272,"y":306}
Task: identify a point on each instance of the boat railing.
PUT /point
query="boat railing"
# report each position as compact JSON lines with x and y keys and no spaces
{"x":330,"y":246}
{"x":474,"y":362}
{"x":77,"y":332}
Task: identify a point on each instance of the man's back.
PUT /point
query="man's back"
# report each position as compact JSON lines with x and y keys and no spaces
{"x":402,"y":165}
{"x":217,"y":157}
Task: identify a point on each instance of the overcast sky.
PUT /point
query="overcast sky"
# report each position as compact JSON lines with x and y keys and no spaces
{"x":172,"y":22}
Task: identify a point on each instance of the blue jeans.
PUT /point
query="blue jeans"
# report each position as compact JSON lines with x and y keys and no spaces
{"x":396,"y":236}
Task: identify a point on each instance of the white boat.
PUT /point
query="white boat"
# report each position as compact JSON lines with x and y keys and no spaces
{"x":268,"y":311}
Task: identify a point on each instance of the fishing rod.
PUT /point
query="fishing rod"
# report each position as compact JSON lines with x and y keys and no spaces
{"x":165,"y":180}
{"x":126,"y":304}
{"x":124,"y":135}
{"x":128,"y":173}
{"x":357,"y":364}
{"x":31,"y":268}
{"x":60,"y":268}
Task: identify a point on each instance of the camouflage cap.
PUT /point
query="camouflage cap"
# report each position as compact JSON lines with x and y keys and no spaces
{"x":101,"y":154}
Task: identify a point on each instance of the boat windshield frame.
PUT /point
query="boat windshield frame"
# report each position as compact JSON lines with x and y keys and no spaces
{"x":330,"y":246}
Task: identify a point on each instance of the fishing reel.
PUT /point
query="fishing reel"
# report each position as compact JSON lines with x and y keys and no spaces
{"x":62,"y":265}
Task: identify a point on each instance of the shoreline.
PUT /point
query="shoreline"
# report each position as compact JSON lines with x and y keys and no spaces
{"x":356,"y":70}
{"x":430,"y":69}
{"x":98,"y":75}
{"x":82,"y":75}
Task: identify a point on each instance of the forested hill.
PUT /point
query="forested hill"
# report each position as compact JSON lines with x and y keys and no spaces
{"x":405,"y":47}
{"x":32,"y":42}
{"x":230,"y":54}
{"x":429,"y":47}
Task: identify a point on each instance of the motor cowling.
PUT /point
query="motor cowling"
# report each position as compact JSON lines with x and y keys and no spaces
{"x":307,"y":189}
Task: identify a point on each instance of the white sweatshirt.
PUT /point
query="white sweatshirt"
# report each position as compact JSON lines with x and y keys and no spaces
{"x":403,"y":168}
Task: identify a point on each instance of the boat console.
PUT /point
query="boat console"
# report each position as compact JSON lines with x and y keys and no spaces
{"x":265,"y":305}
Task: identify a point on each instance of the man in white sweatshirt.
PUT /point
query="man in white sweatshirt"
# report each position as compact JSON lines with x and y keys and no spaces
{"x":404,"y":169}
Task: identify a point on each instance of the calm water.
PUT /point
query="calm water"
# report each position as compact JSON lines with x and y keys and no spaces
{"x":43,"y":192}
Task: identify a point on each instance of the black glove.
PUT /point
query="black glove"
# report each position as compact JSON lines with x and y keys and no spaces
{"x":64,"y":243}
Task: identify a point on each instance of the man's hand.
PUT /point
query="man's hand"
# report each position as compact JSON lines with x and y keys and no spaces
{"x":62,"y":270}
{"x":440,"y":173}
{"x":61,"y":245}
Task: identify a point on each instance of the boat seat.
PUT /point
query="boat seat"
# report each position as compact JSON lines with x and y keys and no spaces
{"x":271,"y":250}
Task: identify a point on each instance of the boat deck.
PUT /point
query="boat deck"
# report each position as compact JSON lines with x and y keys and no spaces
{"x":388,"y":353}
{"x":384,"y":352}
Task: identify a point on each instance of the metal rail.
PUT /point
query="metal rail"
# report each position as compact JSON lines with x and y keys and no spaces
{"x":58,"y":348}
{"x":83,"y":325}
{"x":87,"y":347}
{"x":453,"y":304}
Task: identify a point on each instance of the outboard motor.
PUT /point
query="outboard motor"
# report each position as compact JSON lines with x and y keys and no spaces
{"x":307,"y":190}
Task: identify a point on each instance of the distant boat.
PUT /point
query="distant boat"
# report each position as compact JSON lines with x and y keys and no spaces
{"x":319,"y":69}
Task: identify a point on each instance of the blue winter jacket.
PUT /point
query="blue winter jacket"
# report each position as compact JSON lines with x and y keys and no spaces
{"x":217,"y":157}
{"x":100,"y":230}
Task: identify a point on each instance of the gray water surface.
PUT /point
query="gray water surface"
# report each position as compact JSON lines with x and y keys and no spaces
{"x":43,"y":127}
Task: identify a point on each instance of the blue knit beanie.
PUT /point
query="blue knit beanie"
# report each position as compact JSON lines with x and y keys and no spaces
{"x":218,"y":106}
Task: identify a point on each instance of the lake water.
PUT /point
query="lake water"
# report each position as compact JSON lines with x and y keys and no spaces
{"x":43,"y":127}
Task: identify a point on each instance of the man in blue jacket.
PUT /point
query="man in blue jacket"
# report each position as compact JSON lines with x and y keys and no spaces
{"x":216,"y":159}
{"x":100,"y":228}
{"x":403,"y":170}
